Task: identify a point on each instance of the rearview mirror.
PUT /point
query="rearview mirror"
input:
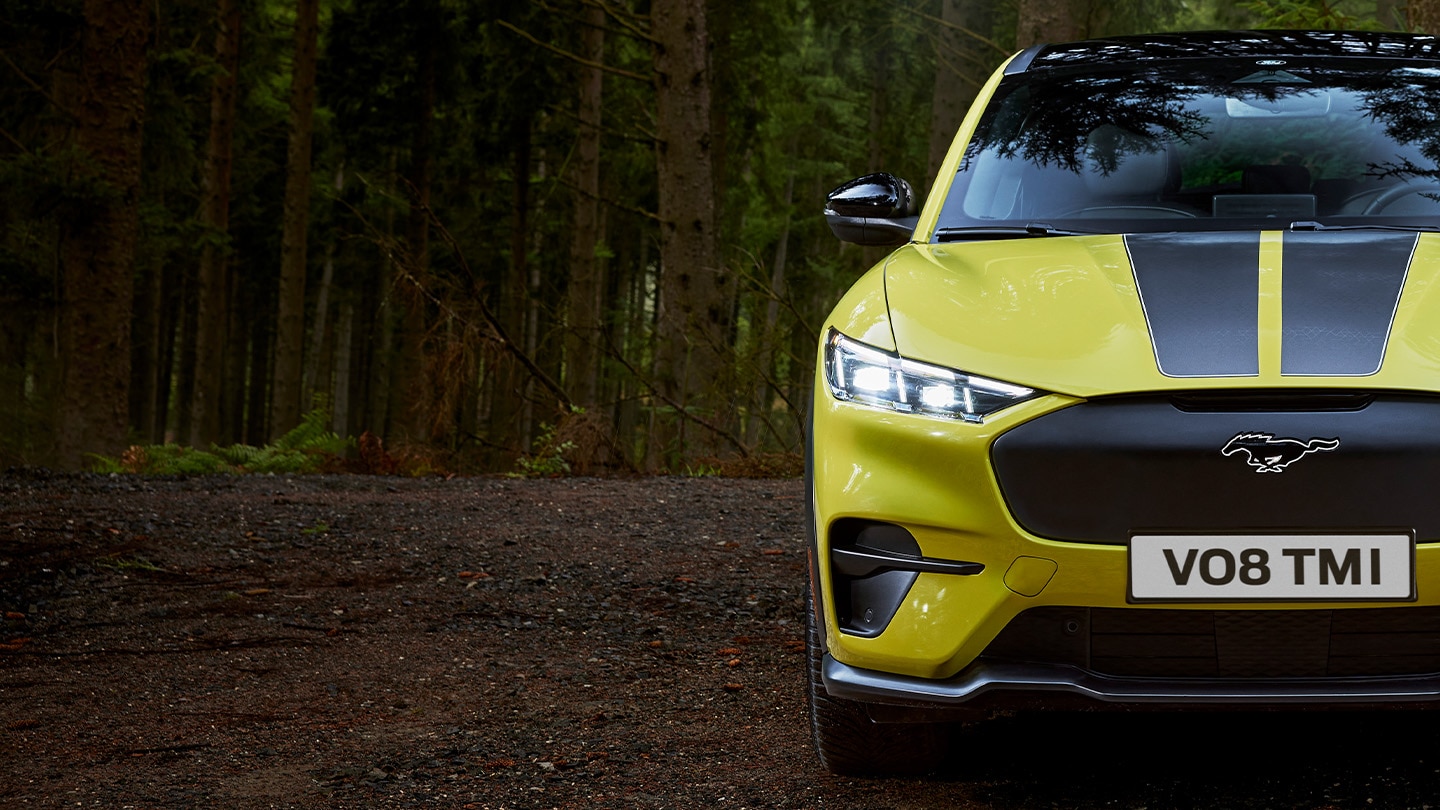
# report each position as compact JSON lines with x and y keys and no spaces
{"x":1305,"y":104}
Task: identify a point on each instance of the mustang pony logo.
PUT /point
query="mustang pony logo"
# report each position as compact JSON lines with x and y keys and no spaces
{"x":1266,"y":453}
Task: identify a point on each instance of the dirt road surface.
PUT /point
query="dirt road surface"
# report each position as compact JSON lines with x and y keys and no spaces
{"x":316,"y":642}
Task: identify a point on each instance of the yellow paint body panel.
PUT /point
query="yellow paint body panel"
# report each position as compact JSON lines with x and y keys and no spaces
{"x":1064,"y":315}
{"x":1061,"y":315}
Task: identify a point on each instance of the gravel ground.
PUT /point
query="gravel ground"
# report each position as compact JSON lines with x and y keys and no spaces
{"x":308,"y":642}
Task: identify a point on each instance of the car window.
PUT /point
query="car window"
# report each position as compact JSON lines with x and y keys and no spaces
{"x":1205,"y":145}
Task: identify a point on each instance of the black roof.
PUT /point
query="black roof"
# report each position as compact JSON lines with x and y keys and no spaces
{"x":1222,"y":44}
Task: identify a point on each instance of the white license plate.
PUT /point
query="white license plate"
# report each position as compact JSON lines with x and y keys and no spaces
{"x":1260,"y":567}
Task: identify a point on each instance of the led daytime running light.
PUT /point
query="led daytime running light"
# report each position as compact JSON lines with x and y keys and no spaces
{"x":860,"y":373}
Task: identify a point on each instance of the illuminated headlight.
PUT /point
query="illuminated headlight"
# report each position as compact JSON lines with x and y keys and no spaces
{"x":860,"y":373}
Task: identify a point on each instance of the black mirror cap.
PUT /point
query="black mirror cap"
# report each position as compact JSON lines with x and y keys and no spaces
{"x":877,"y":209}
{"x":871,"y":230}
{"x":880,"y":195}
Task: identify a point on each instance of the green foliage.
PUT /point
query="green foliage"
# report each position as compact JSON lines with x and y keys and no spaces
{"x":1310,"y":14}
{"x":162,"y":459}
{"x":306,"y":449}
{"x":549,"y":459}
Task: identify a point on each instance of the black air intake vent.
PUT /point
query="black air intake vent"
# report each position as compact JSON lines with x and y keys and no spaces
{"x":1226,"y":643}
{"x":1273,"y":401}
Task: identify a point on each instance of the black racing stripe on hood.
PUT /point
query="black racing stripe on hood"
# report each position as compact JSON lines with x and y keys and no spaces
{"x":1201,"y":297}
{"x":1339,"y":298}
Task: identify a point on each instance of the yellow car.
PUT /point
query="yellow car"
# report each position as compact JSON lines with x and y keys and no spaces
{"x":1144,"y":409}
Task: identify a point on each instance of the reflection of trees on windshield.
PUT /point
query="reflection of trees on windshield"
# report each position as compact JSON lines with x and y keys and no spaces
{"x":1247,"y":45}
{"x":1410,"y":114}
{"x":1056,"y":118}
{"x":1048,"y":120}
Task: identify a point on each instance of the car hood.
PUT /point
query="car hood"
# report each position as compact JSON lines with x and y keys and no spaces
{"x":1110,"y":314}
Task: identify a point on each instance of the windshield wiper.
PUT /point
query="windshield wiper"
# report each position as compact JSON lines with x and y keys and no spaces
{"x":1311,"y":225}
{"x":1002,"y":232}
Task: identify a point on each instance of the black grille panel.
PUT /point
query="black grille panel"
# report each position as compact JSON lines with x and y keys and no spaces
{"x":1145,"y":642}
{"x":1101,"y":470}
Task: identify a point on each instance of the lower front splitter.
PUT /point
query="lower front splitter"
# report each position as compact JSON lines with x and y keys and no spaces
{"x":1015,"y":680}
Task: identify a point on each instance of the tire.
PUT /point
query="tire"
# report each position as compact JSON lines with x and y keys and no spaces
{"x":851,"y":744}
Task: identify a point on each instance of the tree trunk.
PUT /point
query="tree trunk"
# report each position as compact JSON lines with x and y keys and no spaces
{"x":24,"y":406}
{"x":383,"y":396}
{"x":533,"y":314}
{"x":184,"y":350}
{"x":693,"y":318}
{"x":285,"y":405}
{"x":418,"y":370}
{"x":1047,"y":21}
{"x":962,"y":64}
{"x":146,"y":341}
{"x":1423,"y":16}
{"x":582,"y":356}
{"x":316,"y":382}
{"x":97,"y":242}
{"x":257,"y":428}
{"x":172,"y":320}
{"x":237,"y":348}
{"x":211,"y":282}
{"x":506,"y":377}
{"x":340,"y":413}
{"x":720,"y":27}
{"x":770,"y":326}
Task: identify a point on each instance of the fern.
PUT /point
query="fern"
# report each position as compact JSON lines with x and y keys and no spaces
{"x":239,"y":455}
{"x":104,"y":464}
{"x":311,"y":434}
{"x":163,"y":459}
{"x":276,"y":459}
{"x":302,"y":450}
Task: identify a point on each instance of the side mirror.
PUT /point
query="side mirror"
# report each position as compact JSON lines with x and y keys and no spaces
{"x":877,"y":209}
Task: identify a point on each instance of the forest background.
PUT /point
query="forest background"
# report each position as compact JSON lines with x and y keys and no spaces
{"x":529,"y":235}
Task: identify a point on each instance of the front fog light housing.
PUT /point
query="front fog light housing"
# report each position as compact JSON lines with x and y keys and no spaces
{"x":860,"y":373}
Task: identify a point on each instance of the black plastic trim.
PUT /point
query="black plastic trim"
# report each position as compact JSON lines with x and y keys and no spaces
{"x":1271,"y":400}
{"x":854,"y":562}
{"x":1269,"y":44}
{"x":873,"y":231}
{"x":873,"y":565}
{"x":984,"y":678}
{"x":1022,"y":61}
{"x":1098,"y":471}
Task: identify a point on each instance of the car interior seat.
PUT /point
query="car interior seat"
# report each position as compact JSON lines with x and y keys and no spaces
{"x":1126,"y":173}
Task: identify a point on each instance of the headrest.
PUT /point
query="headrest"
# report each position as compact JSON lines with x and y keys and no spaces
{"x":1121,"y":163}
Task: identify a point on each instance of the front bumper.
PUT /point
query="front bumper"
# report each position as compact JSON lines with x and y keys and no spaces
{"x":1018,"y":683}
{"x":935,"y":480}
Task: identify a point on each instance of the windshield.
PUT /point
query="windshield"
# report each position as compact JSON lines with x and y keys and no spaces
{"x":1205,"y":145}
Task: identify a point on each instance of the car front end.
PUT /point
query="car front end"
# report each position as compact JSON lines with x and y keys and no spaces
{"x":1137,"y":416}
